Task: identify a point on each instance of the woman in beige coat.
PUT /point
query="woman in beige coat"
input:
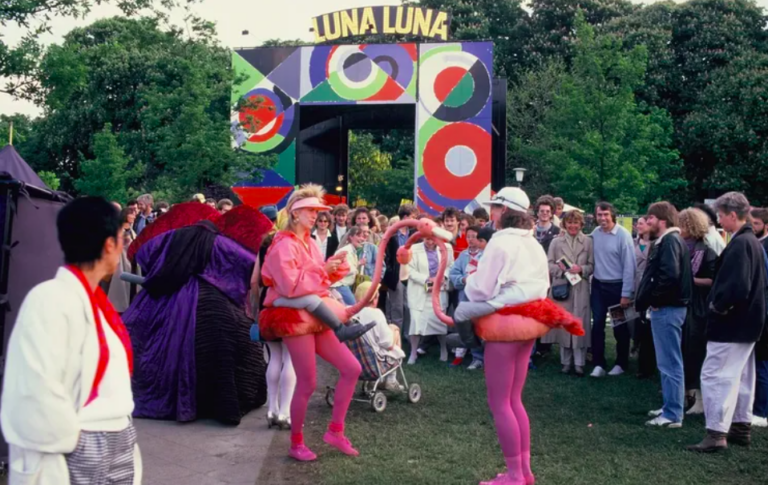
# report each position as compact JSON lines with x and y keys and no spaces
{"x":576,"y":247}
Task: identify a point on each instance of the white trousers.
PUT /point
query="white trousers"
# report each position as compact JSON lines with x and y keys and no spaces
{"x":728,"y":384}
{"x":578,"y":354}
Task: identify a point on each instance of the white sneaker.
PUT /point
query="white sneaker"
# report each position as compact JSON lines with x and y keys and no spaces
{"x":759,"y":422}
{"x":656,"y":413}
{"x":616,"y":371}
{"x":663,"y":422}
{"x":475,"y":365}
{"x":421,"y":351}
{"x":412,"y":360}
{"x":598,"y":372}
{"x":460,"y":353}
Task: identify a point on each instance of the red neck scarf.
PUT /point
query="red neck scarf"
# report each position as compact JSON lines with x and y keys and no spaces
{"x":99,"y":301}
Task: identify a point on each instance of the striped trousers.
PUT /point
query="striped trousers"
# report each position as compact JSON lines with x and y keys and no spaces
{"x":103,"y":458}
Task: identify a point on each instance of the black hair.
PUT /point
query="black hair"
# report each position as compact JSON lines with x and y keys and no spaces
{"x":84,"y":226}
{"x":607,"y":206}
{"x":407,"y":210}
{"x":516,"y":219}
{"x":480,"y":213}
{"x":450,"y":212}
{"x":124,"y":215}
{"x":132,"y":202}
{"x":475,"y":229}
{"x":709,"y":211}
{"x":485,"y":234}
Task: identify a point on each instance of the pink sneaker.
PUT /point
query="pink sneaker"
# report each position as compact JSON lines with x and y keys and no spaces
{"x":530,"y":480}
{"x":504,"y":479}
{"x":340,"y":442}
{"x":302,"y":453}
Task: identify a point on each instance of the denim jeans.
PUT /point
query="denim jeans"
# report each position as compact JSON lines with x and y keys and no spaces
{"x":346,"y":295}
{"x":605,"y":295}
{"x":761,"y":389}
{"x":477,"y":355}
{"x":667,"y":323}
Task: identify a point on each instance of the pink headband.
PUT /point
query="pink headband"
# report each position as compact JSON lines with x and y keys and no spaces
{"x":309,"y":203}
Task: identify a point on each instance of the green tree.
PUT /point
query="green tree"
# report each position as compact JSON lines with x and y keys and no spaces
{"x":18,"y":63}
{"x":367,"y":165}
{"x":552,"y":24}
{"x":597,"y":142}
{"x":726,"y":134}
{"x":107,"y":175}
{"x":502,"y":21}
{"x":22,"y":129}
{"x":166,"y":95}
{"x":50,"y":179}
{"x":529,"y":104}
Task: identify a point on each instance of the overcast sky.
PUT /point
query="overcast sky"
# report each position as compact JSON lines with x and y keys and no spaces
{"x":264,"y":19}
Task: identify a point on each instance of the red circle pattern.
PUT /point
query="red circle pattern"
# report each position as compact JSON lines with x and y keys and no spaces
{"x":435,"y":170}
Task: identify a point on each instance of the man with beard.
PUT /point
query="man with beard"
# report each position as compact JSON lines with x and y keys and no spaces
{"x":760,"y":225}
{"x":666,"y":289}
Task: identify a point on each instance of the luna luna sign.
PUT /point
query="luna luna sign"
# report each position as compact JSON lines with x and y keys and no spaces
{"x":405,"y":20}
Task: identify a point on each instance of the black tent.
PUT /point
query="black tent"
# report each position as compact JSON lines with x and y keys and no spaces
{"x":30,"y":252}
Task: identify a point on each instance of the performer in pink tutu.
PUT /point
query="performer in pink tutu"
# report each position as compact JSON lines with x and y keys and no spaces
{"x":509,"y":310}
{"x":298,"y":310}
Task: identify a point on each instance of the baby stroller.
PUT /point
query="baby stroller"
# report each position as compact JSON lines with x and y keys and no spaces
{"x":373,"y":376}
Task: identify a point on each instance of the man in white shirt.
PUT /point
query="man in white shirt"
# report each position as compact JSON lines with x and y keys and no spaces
{"x":67,"y":400}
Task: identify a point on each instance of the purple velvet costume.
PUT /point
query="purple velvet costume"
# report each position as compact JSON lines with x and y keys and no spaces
{"x":166,"y":337}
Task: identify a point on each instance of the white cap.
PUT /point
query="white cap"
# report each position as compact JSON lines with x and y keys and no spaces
{"x":512,"y":197}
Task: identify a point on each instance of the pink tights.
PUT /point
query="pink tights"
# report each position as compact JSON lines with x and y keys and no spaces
{"x":509,"y":364}
{"x":327,"y":346}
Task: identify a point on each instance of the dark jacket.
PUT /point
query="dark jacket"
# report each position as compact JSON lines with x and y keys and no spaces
{"x":667,"y":280}
{"x":333,"y":245}
{"x":392,"y":275}
{"x":545,"y":239}
{"x":737,"y":299}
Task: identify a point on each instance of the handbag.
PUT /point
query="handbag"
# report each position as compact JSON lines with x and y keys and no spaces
{"x":561,"y":292}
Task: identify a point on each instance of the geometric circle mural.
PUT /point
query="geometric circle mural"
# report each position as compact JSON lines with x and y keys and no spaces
{"x":475,"y":145}
{"x":449,"y":84}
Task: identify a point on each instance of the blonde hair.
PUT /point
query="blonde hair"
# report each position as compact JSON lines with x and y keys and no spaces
{"x":362,"y":290}
{"x":305,"y":192}
{"x":694,"y":223}
{"x":281,"y":223}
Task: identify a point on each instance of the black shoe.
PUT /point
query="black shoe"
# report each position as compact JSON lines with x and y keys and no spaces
{"x":352,"y":331}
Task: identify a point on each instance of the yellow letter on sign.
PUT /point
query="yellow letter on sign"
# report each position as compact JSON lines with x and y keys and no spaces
{"x":422,"y":22}
{"x":349,"y":25}
{"x":336,"y":32}
{"x":368,"y":22}
{"x":318,"y":37}
{"x":404,"y":29}
{"x":389,"y":27}
{"x":439,"y":29}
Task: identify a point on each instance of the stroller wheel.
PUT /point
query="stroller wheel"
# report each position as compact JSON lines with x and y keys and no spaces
{"x":379,"y":402}
{"x":414,"y":393}
{"x":329,"y":396}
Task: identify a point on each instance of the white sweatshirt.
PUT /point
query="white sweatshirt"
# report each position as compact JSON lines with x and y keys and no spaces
{"x":513,"y":270}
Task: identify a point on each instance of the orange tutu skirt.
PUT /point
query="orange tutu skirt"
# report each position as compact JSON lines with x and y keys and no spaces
{"x":279,"y":322}
{"x":526,"y":322}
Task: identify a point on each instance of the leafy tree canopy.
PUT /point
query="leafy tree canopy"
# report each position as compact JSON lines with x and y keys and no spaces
{"x":165,"y":97}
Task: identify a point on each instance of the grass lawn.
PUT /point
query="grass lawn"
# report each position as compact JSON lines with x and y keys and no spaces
{"x":584,"y":431}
